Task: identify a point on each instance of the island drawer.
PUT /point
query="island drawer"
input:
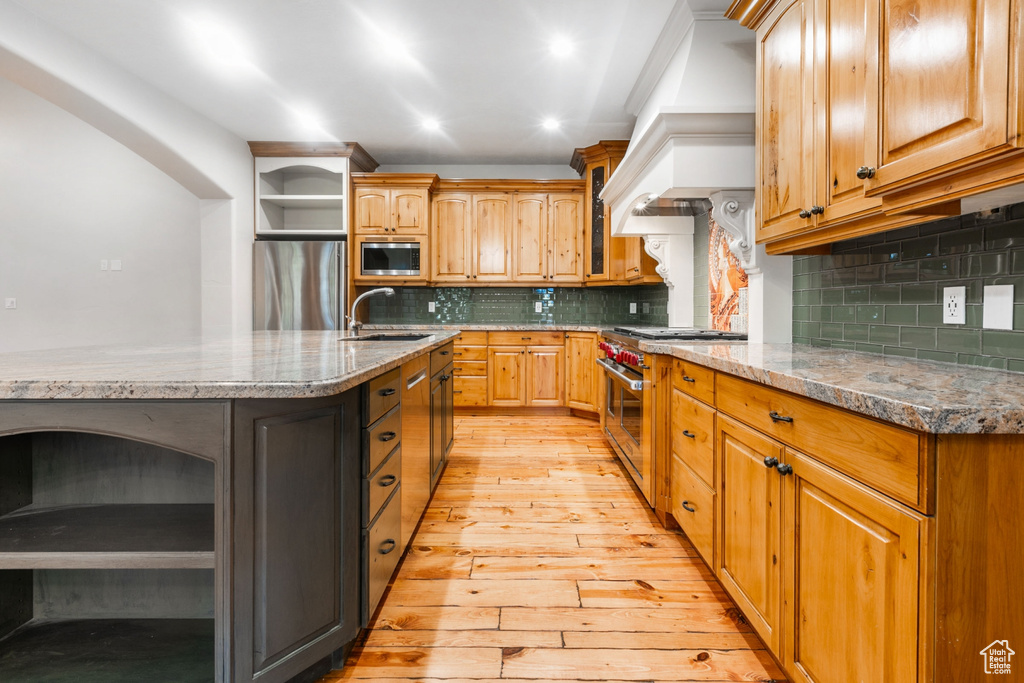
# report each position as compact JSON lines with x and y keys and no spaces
{"x":379,"y":485}
{"x":693,"y":435}
{"x":471,"y":368}
{"x":695,"y":380}
{"x":382,"y":552}
{"x":885,"y":457}
{"x":380,"y":439}
{"x":526,"y":338}
{"x":381,"y":395}
{"x":693,"y":507}
{"x":478,"y":338}
{"x":440,"y":357}
{"x":470,"y":353}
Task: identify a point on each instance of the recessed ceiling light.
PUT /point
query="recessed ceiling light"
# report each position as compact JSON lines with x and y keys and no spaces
{"x":550,"y":124}
{"x":431,"y":124}
{"x":561,"y":46}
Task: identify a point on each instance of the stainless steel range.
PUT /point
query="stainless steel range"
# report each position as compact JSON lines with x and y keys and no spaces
{"x":628,"y":411}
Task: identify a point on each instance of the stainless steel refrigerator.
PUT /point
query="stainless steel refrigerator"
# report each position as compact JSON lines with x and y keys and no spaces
{"x":298,"y":285}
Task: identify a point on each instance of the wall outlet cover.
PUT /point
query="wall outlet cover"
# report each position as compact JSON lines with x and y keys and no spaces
{"x":538,"y":307}
{"x":632,"y":307}
{"x":430,"y":307}
{"x":10,"y":302}
{"x":954,"y":310}
{"x":997,"y":313}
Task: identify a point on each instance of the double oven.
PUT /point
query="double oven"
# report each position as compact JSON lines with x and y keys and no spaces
{"x":628,"y":409}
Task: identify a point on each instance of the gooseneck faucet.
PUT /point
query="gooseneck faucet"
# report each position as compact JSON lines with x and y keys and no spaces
{"x":354,"y":324}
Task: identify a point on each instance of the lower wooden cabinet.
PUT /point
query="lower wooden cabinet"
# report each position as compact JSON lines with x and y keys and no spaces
{"x":581,"y":375}
{"x":525,"y":375}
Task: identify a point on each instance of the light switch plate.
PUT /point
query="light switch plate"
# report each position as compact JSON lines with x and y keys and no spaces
{"x":10,"y":302}
{"x":632,"y":307}
{"x":115,"y":264}
{"x":997,"y":313}
{"x":538,"y":307}
{"x":430,"y":307}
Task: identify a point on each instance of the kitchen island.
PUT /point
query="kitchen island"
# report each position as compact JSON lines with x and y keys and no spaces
{"x":191,"y":508}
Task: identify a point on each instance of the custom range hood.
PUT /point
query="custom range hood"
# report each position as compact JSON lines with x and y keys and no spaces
{"x":693,"y":151}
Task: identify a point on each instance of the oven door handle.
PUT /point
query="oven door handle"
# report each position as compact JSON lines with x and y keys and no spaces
{"x":609,"y":367}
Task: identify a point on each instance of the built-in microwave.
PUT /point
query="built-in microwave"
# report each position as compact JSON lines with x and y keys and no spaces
{"x":399,"y":259}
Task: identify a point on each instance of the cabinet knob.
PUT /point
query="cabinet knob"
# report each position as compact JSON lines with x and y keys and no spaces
{"x":688,"y":434}
{"x":784,"y":468}
{"x":467,"y":277}
{"x":804,"y":213}
{"x":817,"y":210}
{"x":865,"y":172}
{"x":687,"y":507}
{"x":779,"y":418}
{"x":770,"y":462}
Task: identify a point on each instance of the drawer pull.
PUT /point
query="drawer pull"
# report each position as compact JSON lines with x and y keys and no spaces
{"x":770,"y":462}
{"x":688,"y":379}
{"x":386,"y":392}
{"x":779,"y":418}
{"x":526,"y":338}
{"x":387,"y":480}
{"x":387,"y":546}
{"x":784,"y":468}
{"x":457,"y":391}
{"x":387,"y":436}
{"x":688,"y":434}
{"x":445,"y":353}
{"x":458,"y":353}
{"x":687,"y":507}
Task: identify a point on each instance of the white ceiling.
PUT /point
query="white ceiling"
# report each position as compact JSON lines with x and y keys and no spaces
{"x":482,"y":68}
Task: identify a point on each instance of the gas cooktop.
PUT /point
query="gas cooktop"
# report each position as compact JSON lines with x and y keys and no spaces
{"x":680,"y":333}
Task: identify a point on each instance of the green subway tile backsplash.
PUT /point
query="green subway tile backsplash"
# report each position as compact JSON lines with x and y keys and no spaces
{"x":511,"y":305}
{"x":883,"y":293}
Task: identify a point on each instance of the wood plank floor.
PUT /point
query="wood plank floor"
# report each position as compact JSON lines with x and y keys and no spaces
{"x":538,"y":560}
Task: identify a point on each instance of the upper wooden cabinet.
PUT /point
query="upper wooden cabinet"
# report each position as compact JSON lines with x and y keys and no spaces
{"x":472,"y":237}
{"x":492,"y":237}
{"x":548,"y":240}
{"x":392,"y":203}
{"x":451,"y":216}
{"x":872,"y":110}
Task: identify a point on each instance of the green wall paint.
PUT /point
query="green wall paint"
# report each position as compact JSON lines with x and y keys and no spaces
{"x":883,"y":293}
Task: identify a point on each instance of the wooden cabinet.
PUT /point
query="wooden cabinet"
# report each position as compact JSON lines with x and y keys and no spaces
{"x":452,"y":220}
{"x":545,"y":375}
{"x":442,"y":422}
{"x":415,"y":474}
{"x":473,"y":237}
{"x":862,"y":122}
{"x":530,"y":372}
{"x":492,"y":237}
{"x":470,"y":369}
{"x":506,"y":375}
{"x":390,"y":210}
{"x":581,"y":371}
{"x":548,"y":238}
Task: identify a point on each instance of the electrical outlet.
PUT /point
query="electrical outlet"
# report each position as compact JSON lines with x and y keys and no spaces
{"x":632,"y":307}
{"x":647,"y":307}
{"x":997,"y":311}
{"x":538,"y":307}
{"x":953,"y":310}
{"x":104,"y":264}
{"x":430,"y":307}
{"x":115,"y":264}
{"x":10,"y":302}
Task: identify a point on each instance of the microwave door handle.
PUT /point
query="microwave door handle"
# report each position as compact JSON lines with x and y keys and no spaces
{"x":634,"y":384}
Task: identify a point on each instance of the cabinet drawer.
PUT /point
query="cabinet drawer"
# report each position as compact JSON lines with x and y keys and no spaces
{"x":440,"y":357}
{"x":380,"y":439}
{"x":471,"y":368}
{"x":695,"y":380}
{"x":379,"y":485}
{"x":526,"y":338}
{"x":693,"y":435}
{"x":381,"y":552}
{"x":693,"y":506}
{"x":382,"y":394}
{"x":885,"y":457}
{"x":470,"y":391}
{"x":471,"y":339}
{"x":470,"y":353}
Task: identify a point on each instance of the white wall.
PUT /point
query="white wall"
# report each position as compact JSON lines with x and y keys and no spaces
{"x":507,"y":171}
{"x":69,"y":197}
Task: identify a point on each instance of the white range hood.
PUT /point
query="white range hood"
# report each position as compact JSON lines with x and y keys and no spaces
{"x":699,"y":145}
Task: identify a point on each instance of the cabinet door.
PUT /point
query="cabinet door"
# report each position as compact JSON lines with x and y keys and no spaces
{"x":581,"y":370}
{"x":785,"y":106}
{"x":373,"y":211}
{"x":492,"y":223}
{"x":750,"y":549}
{"x":452,"y":237}
{"x":531,"y":237}
{"x":437,"y":421}
{"x":944,"y":78}
{"x":506,"y":376}
{"x":565,"y":238}
{"x":449,"y":410}
{"x":846,"y":75}
{"x":546,"y":373}
{"x":851,"y":580}
{"x":409,"y":211}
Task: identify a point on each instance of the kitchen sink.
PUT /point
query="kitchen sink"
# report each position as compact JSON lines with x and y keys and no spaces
{"x":384,"y":337}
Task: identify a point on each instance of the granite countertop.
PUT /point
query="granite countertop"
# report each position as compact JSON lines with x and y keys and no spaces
{"x":928,"y":396}
{"x":498,"y":327}
{"x":254,"y":365}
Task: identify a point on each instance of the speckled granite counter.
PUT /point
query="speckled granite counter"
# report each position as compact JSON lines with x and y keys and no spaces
{"x":256,"y":365}
{"x":496,"y":327}
{"x":924,"y":395}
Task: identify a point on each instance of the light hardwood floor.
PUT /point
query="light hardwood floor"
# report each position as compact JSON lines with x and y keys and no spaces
{"x":537,"y":559}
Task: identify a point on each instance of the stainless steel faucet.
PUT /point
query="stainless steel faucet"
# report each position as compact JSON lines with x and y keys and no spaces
{"x":354,"y":324}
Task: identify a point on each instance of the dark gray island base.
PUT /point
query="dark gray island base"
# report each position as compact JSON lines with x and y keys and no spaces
{"x":198,"y":539}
